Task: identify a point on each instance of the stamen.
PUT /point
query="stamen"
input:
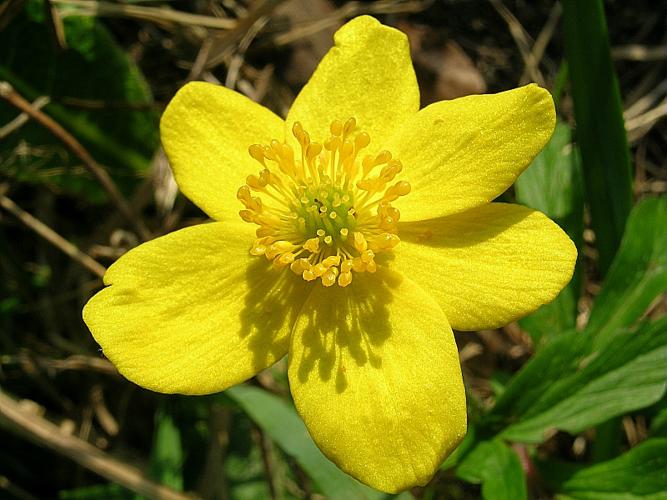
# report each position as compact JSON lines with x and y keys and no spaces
{"x":324,"y":211}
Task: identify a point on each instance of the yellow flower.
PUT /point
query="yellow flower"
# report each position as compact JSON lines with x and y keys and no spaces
{"x":319,"y":265}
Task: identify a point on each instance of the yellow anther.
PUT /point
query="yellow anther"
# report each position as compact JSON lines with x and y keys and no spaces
{"x":287,"y":152}
{"x":267,"y":219}
{"x":250,"y":202}
{"x":300,"y":134}
{"x":309,"y":275}
{"x":283,"y":260}
{"x":391,"y":170}
{"x":326,"y":216}
{"x":269,"y":153}
{"x":361,"y":141}
{"x":382,"y":157}
{"x":279,"y":247}
{"x":349,"y":125}
{"x":257,"y":249}
{"x":346,"y":148}
{"x":401,"y":188}
{"x":284,"y":246}
{"x":257,"y":152}
{"x":332,"y":260}
{"x":312,"y":245}
{"x":313,"y":149}
{"x":247,"y":215}
{"x":319,"y":269}
{"x":329,"y":278}
{"x":256,"y":183}
{"x":300,"y":265}
{"x":360,"y":242}
{"x":386,"y":211}
{"x":332,"y":143}
{"x":336,"y":128}
{"x":367,"y":164}
{"x":371,"y":185}
{"x":384,"y":241}
{"x":367,"y":256}
{"x":345,"y":279}
{"x":358,"y":265}
{"x":266,"y":177}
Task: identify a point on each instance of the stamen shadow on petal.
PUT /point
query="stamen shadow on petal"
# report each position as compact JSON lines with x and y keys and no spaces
{"x":272,"y":305}
{"x":463,"y":229}
{"x":352,"y":320}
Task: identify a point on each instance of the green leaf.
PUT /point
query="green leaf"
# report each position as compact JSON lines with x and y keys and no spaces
{"x":638,"y":474}
{"x":627,"y":374}
{"x":638,"y":275}
{"x":167,"y":453}
{"x":108,"y":491}
{"x":558,"y":359}
{"x":659,"y":422}
{"x":498,"y":468}
{"x":94,"y":69}
{"x":552,"y":184}
{"x":600,"y":128}
{"x":282,"y":424}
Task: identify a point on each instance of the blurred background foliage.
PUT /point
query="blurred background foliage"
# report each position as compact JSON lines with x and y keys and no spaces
{"x":569,"y":402}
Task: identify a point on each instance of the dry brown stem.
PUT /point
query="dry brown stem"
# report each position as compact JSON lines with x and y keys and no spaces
{"x":156,"y":14}
{"x":52,"y":237}
{"x":44,"y":433}
{"x":8,"y":93}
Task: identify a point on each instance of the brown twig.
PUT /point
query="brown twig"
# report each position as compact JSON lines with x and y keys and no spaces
{"x":155,"y":14}
{"x":234,"y":66}
{"x":348,"y":10}
{"x":55,"y":24}
{"x":8,"y":10}
{"x":52,"y":237}
{"x":267,"y":460}
{"x":8,"y":93}
{"x":220,"y":48}
{"x":639,"y":53}
{"x":521,"y":38}
{"x":21,"y":119}
{"x":77,"y":362}
{"x":540,"y":45}
{"x":44,"y":433}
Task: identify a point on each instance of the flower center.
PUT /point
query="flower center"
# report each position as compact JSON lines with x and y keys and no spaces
{"x":325,"y":213}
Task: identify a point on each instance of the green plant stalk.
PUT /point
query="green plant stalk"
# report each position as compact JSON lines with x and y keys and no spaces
{"x":600,"y":127}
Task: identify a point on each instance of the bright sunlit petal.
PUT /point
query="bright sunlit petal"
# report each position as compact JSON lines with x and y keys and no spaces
{"x":464,"y":153}
{"x":367,"y":74}
{"x":487,"y":266}
{"x":206,"y":131}
{"x":192,"y":312}
{"x":374,"y":372}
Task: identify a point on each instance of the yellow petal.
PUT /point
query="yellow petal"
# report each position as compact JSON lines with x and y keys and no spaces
{"x":374,"y":372}
{"x":463,"y":153}
{"x":487,"y":266}
{"x":192,"y":312}
{"x":206,"y":130}
{"x":368,"y":75}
